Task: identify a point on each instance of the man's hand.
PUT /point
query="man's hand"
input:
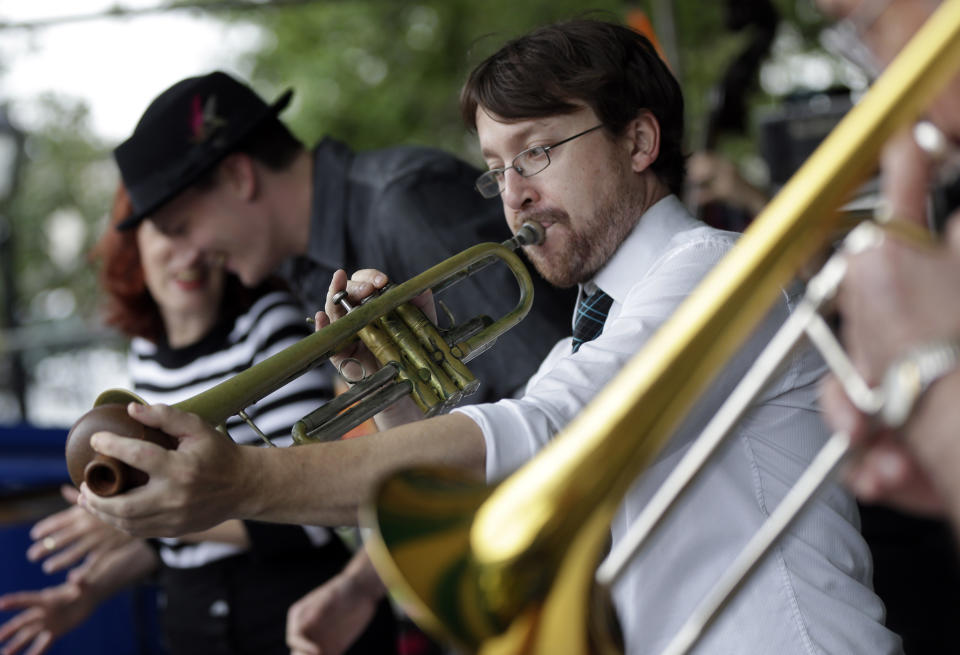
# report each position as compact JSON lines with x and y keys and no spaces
{"x":885,"y":470}
{"x":63,"y":539}
{"x":897,"y":295}
{"x":893,"y":297}
{"x":362,"y":284}
{"x":199,"y":484}
{"x":331,"y":617}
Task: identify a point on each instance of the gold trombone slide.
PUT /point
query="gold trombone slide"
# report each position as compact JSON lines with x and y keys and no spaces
{"x":513,"y":568}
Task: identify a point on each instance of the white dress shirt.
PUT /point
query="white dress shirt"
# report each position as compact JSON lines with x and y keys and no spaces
{"x":813,"y":593}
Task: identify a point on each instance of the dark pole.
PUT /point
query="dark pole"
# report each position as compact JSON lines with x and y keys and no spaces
{"x":18,"y":375}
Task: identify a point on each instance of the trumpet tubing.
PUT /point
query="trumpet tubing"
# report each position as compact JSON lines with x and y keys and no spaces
{"x":510,"y":569}
{"x":421,"y":364}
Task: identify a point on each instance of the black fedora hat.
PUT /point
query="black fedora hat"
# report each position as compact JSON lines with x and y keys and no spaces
{"x":184,"y":133}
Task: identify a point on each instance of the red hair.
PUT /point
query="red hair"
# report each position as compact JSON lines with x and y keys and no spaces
{"x":127,"y":303}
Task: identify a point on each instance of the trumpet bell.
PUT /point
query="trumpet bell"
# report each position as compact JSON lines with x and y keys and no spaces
{"x":107,"y":476}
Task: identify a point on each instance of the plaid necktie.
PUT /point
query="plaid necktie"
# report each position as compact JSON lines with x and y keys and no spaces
{"x":591,"y":313}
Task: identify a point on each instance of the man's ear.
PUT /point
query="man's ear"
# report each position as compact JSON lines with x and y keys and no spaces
{"x":238,"y":173}
{"x":643,"y":139}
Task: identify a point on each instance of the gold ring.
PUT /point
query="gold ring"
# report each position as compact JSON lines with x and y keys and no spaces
{"x":50,"y":543}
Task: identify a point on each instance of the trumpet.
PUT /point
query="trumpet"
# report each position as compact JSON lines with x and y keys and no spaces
{"x":418,"y":359}
{"x":513,"y":568}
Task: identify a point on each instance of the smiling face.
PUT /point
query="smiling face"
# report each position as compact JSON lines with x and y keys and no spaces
{"x":590,"y":196}
{"x":225,"y":220}
{"x":187,"y":290}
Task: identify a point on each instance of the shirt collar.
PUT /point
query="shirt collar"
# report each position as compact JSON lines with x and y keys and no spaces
{"x":645,"y":243}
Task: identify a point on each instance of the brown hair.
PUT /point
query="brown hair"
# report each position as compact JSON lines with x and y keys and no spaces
{"x":127,"y":304}
{"x":610,"y":68}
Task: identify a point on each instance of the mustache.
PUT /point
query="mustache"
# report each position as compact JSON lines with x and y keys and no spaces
{"x":543,"y":216}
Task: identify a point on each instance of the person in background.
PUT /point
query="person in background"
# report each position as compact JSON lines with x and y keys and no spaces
{"x":226,"y":590}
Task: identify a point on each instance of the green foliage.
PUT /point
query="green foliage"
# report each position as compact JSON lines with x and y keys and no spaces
{"x":373,"y":73}
{"x":64,"y":190}
{"x":379,"y":73}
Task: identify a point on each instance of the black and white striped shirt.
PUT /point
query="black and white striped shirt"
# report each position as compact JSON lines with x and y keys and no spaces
{"x":161,"y":374}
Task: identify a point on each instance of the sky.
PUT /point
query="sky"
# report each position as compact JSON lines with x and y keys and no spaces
{"x":117,"y":65}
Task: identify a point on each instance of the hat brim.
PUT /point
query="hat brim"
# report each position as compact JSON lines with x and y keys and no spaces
{"x":201,"y":166}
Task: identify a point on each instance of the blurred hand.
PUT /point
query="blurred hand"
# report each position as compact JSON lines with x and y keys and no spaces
{"x":64,"y":539}
{"x":331,"y":617}
{"x":46,"y":615}
{"x":884,"y":470}
{"x":198,"y":485}
{"x":897,"y":295}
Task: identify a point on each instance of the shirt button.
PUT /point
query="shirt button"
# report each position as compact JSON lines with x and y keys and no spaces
{"x":219,"y":608}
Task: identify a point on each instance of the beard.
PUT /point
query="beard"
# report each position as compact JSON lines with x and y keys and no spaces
{"x":580,"y":247}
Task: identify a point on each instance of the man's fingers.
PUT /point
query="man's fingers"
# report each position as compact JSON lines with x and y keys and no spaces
{"x":137,"y":453}
{"x":337,"y":284}
{"x":167,"y":419}
{"x":906,"y":173}
{"x":126,"y":512}
{"x":839,"y":413}
{"x":370,"y":276}
{"x":320,"y":320}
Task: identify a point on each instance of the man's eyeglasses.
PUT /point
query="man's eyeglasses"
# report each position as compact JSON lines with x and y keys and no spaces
{"x":528,"y":163}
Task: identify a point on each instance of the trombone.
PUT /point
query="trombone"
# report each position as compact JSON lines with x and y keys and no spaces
{"x":513,"y":568}
{"x":418,"y":359}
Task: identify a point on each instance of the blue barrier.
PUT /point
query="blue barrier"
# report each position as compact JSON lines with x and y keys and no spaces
{"x":32,"y":459}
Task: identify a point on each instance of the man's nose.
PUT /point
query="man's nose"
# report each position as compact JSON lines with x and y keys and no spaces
{"x":518,"y":191}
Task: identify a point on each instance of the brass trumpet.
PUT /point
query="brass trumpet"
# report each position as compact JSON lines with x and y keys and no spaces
{"x":417,"y":358}
{"x":513,"y":568}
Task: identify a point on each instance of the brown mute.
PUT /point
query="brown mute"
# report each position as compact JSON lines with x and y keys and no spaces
{"x":107,"y":476}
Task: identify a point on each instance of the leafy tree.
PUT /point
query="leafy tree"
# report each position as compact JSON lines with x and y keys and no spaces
{"x":370,"y":72}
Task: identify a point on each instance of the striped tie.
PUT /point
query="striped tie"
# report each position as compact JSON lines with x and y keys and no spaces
{"x":591,"y":313}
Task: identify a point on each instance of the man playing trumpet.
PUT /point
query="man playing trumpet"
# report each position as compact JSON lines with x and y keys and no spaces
{"x":581,"y":126}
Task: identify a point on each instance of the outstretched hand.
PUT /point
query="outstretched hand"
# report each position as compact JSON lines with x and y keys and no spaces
{"x":46,"y":615}
{"x":198,"y":485}
{"x":72,"y":535}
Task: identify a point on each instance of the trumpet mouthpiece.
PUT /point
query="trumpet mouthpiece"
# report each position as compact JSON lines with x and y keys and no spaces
{"x":531,"y":234}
